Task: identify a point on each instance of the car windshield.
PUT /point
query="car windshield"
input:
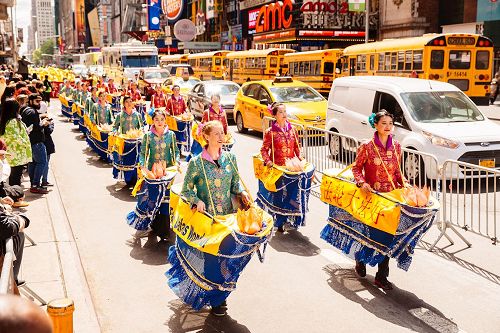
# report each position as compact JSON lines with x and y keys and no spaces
{"x":155,"y":75}
{"x":295,"y":94}
{"x":222,"y":89}
{"x":441,"y":107}
{"x":186,"y":83}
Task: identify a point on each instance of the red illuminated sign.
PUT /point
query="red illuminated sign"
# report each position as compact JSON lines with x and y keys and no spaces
{"x":330,"y":33}
{"x":275,"y":16}
{"x":252,"y":18}
{"x":330,"y":7}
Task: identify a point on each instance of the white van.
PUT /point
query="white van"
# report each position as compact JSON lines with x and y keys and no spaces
{"x":429,"y":116}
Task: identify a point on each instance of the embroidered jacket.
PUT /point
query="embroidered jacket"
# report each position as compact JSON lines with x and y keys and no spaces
{"x":90,"y":104}
{"x":280,"y":144}
{"x":370,"y":160}
{"x":176,"y":106}
{"x":111,"y":89}
{"x":157,"y":147}
{"x":125,"y":122}
{"x":135,"y":95}
{"x":211,"y":114}
{"x":211,"y":183}
{"x":101,"y":115}
{"x":158,"y":100}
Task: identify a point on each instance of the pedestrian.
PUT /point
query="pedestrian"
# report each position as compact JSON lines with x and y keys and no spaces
{"x":176,"y":104}
{"x":158,"y":146}
{"x":31,"y":119}
{"x":21,"y":315}
{"x":377,"y":168}
{"x":48,"y":89}
{"x":15,"y":134}
{"x":22,"y":67}
{"x":215,"y":112}
{"x":3,"y":85}
{"x":15,"y":192}
{"x":50,"y":147}
{"x":9,"y":92}
{"x":211,"y":178}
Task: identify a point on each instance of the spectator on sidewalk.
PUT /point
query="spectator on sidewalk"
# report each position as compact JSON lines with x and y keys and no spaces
{"x":50,"y":147}
{"x":15,"y":134}
{"x":15,"y":192}
{"x":12,"y":226}
{"x":48,"y":89}
{"x":22,"y":67}
{"x":20,"y":315}
{"x":31,"y":119}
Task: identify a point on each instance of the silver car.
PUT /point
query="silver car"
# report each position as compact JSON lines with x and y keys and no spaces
{"x":199,"y":97}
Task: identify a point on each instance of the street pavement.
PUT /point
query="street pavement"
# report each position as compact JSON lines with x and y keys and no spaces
{"x":304,"y":285}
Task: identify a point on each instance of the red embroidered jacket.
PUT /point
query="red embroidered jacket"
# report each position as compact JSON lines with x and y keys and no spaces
{"x":111,"y":89}
{"x":158,"y":100}
{"x":211,"y":114}
{"x":285,"y":142}
{"x":369,"y":166}
{"x":135,"y":95}
{"x":176,"y":106}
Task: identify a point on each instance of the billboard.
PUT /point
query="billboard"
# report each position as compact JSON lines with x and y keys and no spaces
{"x":488,"y":10}
{"x":80,"y":21}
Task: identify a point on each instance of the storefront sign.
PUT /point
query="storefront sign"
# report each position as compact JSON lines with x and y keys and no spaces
{"x":252,"y":3}
{"x":173,"y":9}
{"x":199,"y":45}
{"x":275,"y":16}
{"x":200,"y":23}
{"x":184,"y":30}
{"x":330,"y":33}
{"x":154,"y":11}
{"x":334,"y":15}
{"x":252,"y":18}
{"x":210,"y":9}
{"x":274,"y":36}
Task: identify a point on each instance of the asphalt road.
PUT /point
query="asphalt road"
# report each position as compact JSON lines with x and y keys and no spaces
{"x":304,"y":285}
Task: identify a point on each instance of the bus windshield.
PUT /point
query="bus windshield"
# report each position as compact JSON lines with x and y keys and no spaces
{"x":140,"y":60}
{"x":295,"y":94}
{"x":441,"y":107}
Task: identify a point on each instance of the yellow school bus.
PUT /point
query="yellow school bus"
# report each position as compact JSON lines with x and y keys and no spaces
{"x":173,"y":59}
{"x":464,"y":60}
{"x":256,"y":65}
{"x":316,"y":68}
{"x":209,"y":65}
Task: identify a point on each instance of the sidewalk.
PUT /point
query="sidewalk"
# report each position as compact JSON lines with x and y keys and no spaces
{"x":52,"y":267}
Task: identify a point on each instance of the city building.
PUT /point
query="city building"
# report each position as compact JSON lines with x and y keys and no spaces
{"x":42,"y":21}
{"x":8,"y":40}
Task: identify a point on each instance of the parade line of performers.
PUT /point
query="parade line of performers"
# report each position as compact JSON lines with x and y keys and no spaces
{"x":374,"y":214}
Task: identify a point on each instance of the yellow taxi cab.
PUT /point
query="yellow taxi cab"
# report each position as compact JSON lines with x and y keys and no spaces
{"x":304,"y":105}
{"x":186,"y":83}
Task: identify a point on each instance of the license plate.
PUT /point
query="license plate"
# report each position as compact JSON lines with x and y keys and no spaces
{"x":487,"y":163}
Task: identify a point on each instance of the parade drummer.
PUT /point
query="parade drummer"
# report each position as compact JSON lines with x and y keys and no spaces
{"x":210,"y":180}
{"x":91,"y":101}
{"x":100,"y":84}
{"x":176,"y":104}
{"x":158,"y":99}
{"x":215,"y":112}
{"x":280,"y":143}
{"x":110,"y":87}
{"x":101,"y":114}
{"x":158,"y":145}
{"x":134,"y":93}
{"x":376,"y":168}
{"x":67,"y":89}
{"x":128,"y":118}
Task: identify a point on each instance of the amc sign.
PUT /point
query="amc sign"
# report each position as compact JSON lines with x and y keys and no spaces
{"x":275,"y":16}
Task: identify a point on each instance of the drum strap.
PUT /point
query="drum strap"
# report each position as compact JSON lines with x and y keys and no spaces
{"x":208,"y":185}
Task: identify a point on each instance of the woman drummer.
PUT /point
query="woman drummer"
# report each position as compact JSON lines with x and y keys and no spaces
{"x":101,"y":114}
{"x":158,"y":145}
{"x":215,"y":112}
{"x":176,"y":104}
{"x":376,"y":168}
{"x":158,"y":98}
{"x":210,"y":180}
{"x":128,"y":118}
{"x":280,"y":143}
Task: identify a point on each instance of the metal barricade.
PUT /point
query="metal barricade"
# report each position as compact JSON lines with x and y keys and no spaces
{"x":6,"y":277}
{"x":470,"y":200}
{"x":422,"y":170}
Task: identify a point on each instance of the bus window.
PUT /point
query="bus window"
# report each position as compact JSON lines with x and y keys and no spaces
{"x":394,"y":60}
{"x":217,"y":61}
{"x":417,"y":60}
{"x":482,"y":59}
{"x":301,"y":68}
{"x":381,"y":59}
{"x":459,"y":60}
{"x":372,"y":62}
{"x":437,"y":59}
{"x":408,"y":57}
{"x":328,"y":67}
{"x":273,"y":62}
{"x":387,"y":66}
{"x":401,"y":60}
{"x":307,"y":69}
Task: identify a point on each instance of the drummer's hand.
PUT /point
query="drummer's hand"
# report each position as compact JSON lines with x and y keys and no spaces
{"x":365,"y":187}
{"x":245,"y":197}
{"x":200,"y":206}
{"x":269,"y":163}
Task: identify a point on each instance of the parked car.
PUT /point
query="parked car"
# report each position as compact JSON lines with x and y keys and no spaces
{"x":304,"y":105}
{"x":178,"y":69}
{"x":186,"y":83}
{"x":149,"y":78}
{"x":429,"y":116}
{"x":199,"y":98}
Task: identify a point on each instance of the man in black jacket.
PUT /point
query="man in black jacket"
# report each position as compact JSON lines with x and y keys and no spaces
{"x":12,"y":226}
{"x":22,"y":67}
{"x":35,"y":127}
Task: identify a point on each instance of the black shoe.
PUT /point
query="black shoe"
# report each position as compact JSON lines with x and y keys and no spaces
{"x":360,"y":269}
{"x":281,"y":229}
{"x":39,"y":190}
{"x":20,"y":282}
{"x":383,"y":283}
{"x":219,"y":311}
{"x":45,"y":184}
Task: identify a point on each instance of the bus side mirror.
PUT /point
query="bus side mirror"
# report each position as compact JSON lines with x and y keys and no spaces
{"x":263,"y":101}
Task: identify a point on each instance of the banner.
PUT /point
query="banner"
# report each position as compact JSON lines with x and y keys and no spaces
{"x":80,"y":21}
{"x":357,"y":5}
{"x":210,"y":9}
{"x":154,"y":12}
{"x":95,"y":31}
